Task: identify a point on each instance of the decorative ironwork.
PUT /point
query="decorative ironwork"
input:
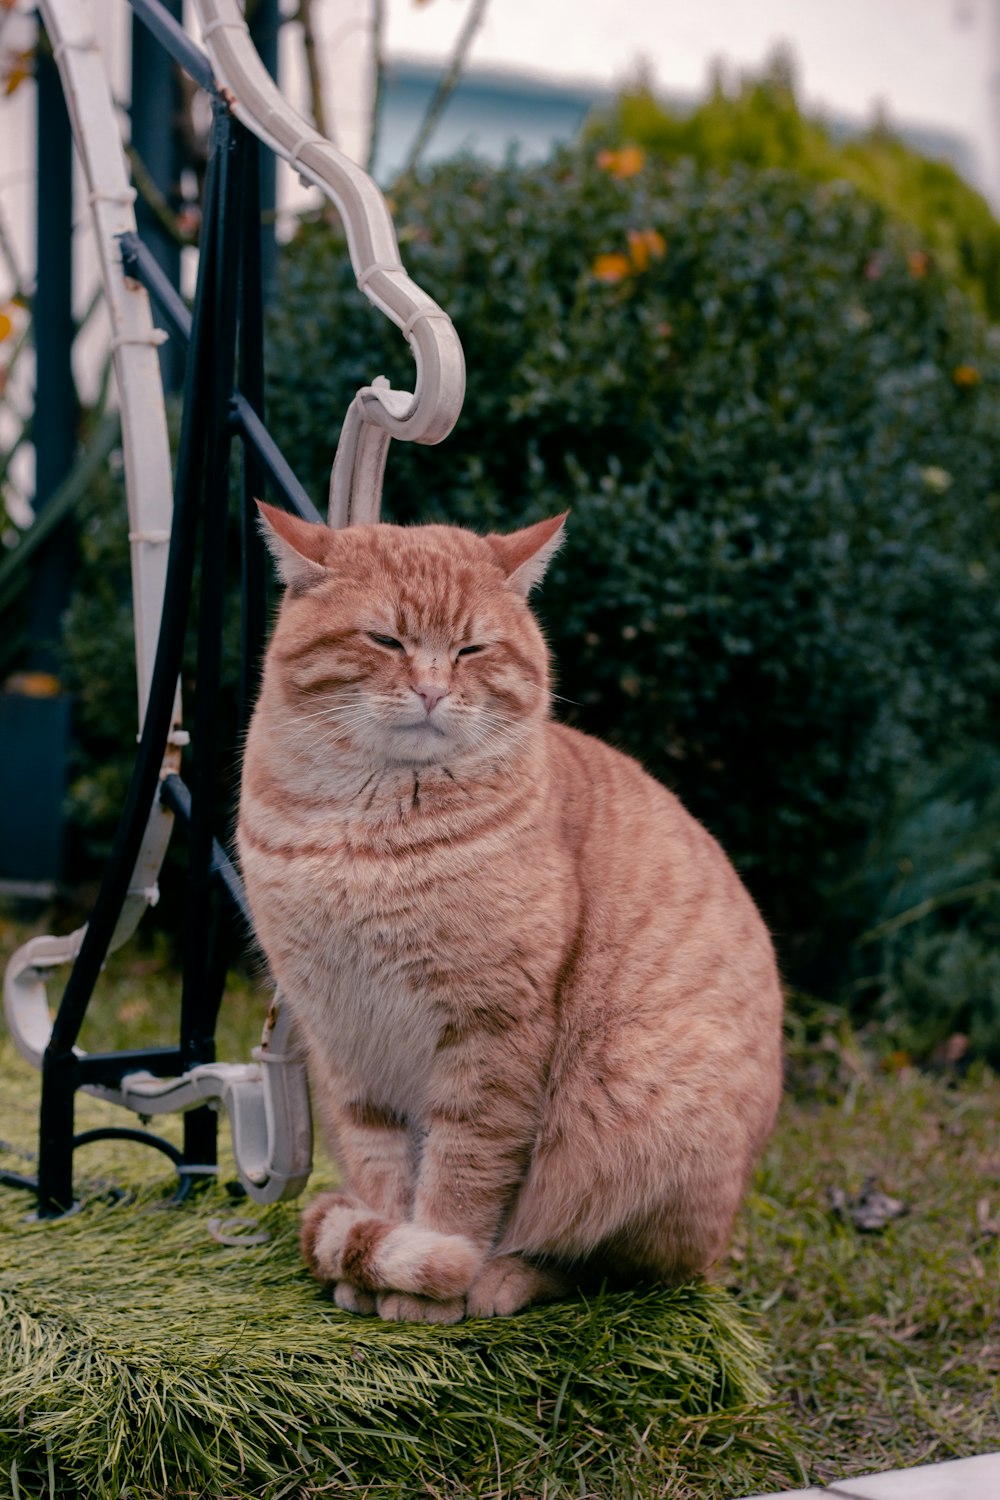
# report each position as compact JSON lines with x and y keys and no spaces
{"x":223,"y":403}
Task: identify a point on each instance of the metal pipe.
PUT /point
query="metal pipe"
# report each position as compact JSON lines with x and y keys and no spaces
{"x":175,"y":39}
{"x":154,"y":110}
{"x":175,"y":795}
{"x":204,"y":968}
{"x":276,"y":466}
{"x":139,"y":263}
{"x":253,"y":553}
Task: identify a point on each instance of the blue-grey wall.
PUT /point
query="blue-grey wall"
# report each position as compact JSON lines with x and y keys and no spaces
{"x":487,"y":115}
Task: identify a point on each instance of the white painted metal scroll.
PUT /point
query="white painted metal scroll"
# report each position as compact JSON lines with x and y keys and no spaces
{"x":377,"y":413}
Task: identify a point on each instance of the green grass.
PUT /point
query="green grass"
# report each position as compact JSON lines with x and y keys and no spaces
{"x":138,"y":1355}
{"x":886,"y":1346}
{"x":166,"y":1364}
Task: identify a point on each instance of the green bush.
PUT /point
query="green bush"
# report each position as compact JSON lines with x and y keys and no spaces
{"x":929,"y":965}
{"x":99,"y":670}
{"x":777,"y":435}
{"x":757,"y":120}
{"x":776,"y":431}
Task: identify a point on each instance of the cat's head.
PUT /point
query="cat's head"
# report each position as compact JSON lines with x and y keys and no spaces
{"x":410,"y":645}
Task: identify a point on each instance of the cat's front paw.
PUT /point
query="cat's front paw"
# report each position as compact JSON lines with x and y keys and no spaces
{"x":422,"y":1261}
{"x":329,"y":1210}
{"x":407,"y":1307}
{"x":342,"y":1241}
{"x":350,"y":1298}
{"x":507,"y":1283}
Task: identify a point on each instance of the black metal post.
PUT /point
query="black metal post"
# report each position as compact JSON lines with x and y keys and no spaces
{"x":203,"y":970}
{"x":35,"y":713}
{"x":155,"y":111}
{"x":252,"y":480}
{"x":54,"y":421}
{"x":264,"y":22}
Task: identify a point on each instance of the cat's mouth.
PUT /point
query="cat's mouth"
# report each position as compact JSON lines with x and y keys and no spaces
{"x":424,"y":727}
{"x":418,"y":743}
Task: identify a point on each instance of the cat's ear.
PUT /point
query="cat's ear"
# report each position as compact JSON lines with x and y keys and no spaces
{"x":524,"y":555}
{"x":301,"y":549}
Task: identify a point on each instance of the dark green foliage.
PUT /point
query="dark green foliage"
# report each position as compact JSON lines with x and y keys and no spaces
{"x":778,"y":441}
{"x":99,"y":646}
{"x":777,"y":435}
{"x":757,"y":120}
{"x":930,"y":963}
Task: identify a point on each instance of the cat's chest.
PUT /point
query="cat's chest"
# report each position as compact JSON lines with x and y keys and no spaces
{"x":371,"y":1023}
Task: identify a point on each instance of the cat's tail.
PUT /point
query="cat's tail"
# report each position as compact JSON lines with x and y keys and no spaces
{"x":342,"y":1240}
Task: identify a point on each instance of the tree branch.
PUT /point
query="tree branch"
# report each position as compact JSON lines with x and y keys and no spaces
{"x":447,"y":84}
{"x":313,"y":69}
{"x":378,"y":80}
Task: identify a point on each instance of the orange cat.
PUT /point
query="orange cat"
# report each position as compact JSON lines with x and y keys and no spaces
{"x":542,"y":1013}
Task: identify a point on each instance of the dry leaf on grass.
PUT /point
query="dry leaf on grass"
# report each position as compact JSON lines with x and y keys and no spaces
{"x":870,"y":1210}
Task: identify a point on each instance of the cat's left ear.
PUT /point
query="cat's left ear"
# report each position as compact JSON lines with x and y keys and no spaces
{"x":524,"y":555}
{"x":301,"y":549}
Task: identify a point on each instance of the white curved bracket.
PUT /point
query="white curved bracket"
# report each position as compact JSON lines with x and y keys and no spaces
{"x":267,"y":1101}
{"x":427,"y":414}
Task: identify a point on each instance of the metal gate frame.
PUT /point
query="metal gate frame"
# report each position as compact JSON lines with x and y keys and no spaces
{"x":223,"y":401}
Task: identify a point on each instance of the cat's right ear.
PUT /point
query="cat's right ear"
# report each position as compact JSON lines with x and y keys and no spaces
{"x":301,"y":549}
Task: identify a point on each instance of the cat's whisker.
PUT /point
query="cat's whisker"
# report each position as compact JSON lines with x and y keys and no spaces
{"x":333,"y":712}
{"x":329,"y":734}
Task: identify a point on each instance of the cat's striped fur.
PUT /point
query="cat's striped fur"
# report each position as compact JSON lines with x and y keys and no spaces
{"x":542,"y":1013}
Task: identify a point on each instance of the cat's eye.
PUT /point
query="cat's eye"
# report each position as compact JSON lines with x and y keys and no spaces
{"x":469,"y":650}
{"x":386,"y":640}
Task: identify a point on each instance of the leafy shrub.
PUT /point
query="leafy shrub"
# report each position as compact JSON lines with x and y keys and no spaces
{"x":776,"y":430}
{"x":929,"y":966}
{"x":757,"y":120}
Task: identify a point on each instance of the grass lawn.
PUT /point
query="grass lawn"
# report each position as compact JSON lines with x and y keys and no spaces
{"x":881,"y":1349}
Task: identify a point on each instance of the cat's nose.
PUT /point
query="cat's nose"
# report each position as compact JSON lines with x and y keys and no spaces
{"x":430,"y":693}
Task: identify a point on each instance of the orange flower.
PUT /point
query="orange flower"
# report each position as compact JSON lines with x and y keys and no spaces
{"x":34,"y":684}
{"x":645,"y":245}
{"x":965,"y":376}
{"x":6,"y":324}
{"x":611,"y":269}
{"x":627,"y":162}
{"x":919,"y":263}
